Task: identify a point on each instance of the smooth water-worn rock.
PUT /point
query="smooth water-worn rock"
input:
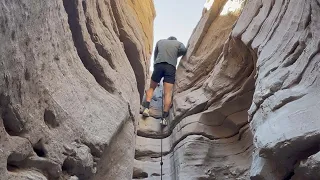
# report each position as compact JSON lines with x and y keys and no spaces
{"x":273,"y":51}
{"x":249,"y":87}
{"x":208,"y":136}
{"x":284,"y":113}
{"x":72,"y":74}
{"x":245,"y":106}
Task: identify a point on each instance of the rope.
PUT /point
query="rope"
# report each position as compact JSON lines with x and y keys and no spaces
{"x":161,"y":162}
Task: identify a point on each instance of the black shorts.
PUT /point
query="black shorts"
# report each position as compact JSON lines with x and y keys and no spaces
{"x":164,"y":70}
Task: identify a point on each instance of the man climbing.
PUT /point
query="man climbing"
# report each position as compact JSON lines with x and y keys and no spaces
{"x":166,"y":54}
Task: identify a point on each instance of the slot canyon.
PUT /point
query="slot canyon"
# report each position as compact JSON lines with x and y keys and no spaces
{"x":73,"y":75}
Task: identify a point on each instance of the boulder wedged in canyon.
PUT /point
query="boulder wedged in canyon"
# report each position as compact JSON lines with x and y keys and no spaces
{"x":72,"y":74}
{"x":250,"y":81}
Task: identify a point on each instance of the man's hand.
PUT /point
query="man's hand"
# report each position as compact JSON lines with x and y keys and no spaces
{"x":182,"y":50}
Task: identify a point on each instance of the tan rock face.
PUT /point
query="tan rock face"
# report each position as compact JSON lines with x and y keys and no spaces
{"x":68,"y":87}
{"x":246,"y":101}
{"x":145,"y":13}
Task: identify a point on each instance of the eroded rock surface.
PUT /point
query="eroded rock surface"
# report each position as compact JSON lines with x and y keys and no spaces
{"x":204,"y":141}
{"x":246,"y":101}
{"x":284,"y":113}
{"x":72,"y":74}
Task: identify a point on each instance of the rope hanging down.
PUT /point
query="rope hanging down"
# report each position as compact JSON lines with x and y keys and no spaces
{"x":161,"y":162}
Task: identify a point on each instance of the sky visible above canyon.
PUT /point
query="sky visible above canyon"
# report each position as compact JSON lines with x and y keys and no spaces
{"x":176,"y":18}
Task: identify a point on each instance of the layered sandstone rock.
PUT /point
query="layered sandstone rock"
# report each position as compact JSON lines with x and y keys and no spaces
{"x":73,"y":73}
{"x":211,"y":143}
{"x":284,"y":112}
{"x":68,"y":87}
{"x":261,"y":68}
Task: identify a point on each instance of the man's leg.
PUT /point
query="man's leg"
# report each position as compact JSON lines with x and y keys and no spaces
{"x":168,"y":82}
{"x":149,"y":93}
{"x":155,"y":79}
{"x":167,"y":98}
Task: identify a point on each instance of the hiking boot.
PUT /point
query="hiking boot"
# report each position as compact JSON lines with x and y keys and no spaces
{"x":164,"y":122}
{"x":145,"y":112}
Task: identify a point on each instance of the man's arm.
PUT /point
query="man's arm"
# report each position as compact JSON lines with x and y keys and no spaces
{"x":156,"y":52}
{"x":182,"y":50}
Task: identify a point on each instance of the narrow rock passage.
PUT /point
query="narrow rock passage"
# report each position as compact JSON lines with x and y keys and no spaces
{"x":192,"y":149}
{"x":263,"y":67}
{"x":208,"y":136}
{"x":149,"y":135}
{"x":246,"y":103}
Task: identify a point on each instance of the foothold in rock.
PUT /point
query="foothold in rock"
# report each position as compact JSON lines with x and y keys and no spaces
{"x":12,"y":121}
{"x":13,"y":35}
{"x":27,"y":75}
{"x":4,"y":100}
{"x":56,"y":58}
{"x":155,"y":174}
{"x":15,"y":160}
{"x":80,"y":162}
{"x":27,"y":41}
{"x":11,"y":166}
{"x":6,"y":78}
{"x":139,"y":174}
{"x":44,"y":165}
{"x":50,"y":119}
{"x":39,"y":149}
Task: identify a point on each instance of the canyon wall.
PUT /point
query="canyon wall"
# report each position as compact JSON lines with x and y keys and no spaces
{"x":246,"y":100}
{"x":72,"y":74}
{"x":202,"y":142}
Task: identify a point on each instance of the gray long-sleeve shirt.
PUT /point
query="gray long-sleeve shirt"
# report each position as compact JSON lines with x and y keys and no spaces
{"x":168,"y":51}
